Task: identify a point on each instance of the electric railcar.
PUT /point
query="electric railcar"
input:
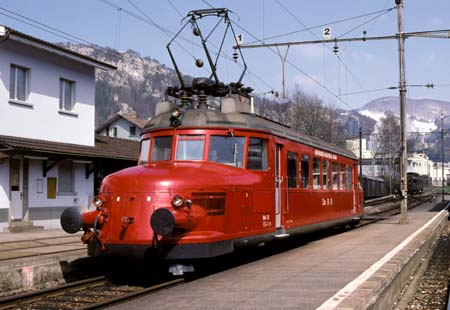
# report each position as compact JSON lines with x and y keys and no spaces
{"x":213,"y":176}
{"x":221,"y":179}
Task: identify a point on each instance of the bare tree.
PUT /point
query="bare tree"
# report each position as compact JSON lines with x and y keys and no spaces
{"x":306,"y":113}
{"x":388,"y":147}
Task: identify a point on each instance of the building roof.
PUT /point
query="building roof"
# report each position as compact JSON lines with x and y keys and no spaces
{"x":14,"y":35}
{"x":105,"y":148}
{"x":138,"y":122}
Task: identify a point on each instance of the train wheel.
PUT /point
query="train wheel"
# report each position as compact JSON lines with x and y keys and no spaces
{"x":354,"y":223}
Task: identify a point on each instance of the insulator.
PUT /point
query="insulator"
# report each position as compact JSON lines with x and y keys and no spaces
{"x":336,"y":49}
{"x":202,"y":101}
{"x":196,"y":31}
{"x":185,"y":100}
{"x":199,"y":63}
{"x":235,"y":55}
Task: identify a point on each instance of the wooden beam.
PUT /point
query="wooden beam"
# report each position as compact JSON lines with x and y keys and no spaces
{"x":47,"y":165}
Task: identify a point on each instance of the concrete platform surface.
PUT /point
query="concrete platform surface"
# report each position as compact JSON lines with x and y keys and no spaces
{"x":364,"y":268}
{"x":39,"y":259}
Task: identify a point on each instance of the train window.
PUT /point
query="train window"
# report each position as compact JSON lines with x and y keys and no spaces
{"x":292,"y":168}
{"x":145,"y":152}
{"x":349,"y":177}
{"x":305,"y":171}
{"x":316,"y":173}
{"x":326,"y":174}
{"x":190,"y":147}
{"x":257,"y":154}
{"x":342,"y":177}
{"x":335,"y":175}
{"x":162,"y":148}
{"x":227,"y":150}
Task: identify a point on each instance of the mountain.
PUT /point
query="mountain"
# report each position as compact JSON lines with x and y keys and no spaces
{"x":423,"y":115}
{"x":136,"y":86}
{"x":140,"y":82}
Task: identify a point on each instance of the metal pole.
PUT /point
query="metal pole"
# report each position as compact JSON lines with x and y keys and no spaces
{"x":442,"y":151}
{"x":402,"y":89}
{"x":360,"y":156}
{"x":283,"y":62}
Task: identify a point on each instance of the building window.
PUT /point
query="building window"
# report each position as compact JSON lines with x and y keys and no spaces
{"x":115,"y":132}
{"x":132,"y":131}
{"x":66,"y":178}
{"x":66,"y":95}
{"x":19,"y":83}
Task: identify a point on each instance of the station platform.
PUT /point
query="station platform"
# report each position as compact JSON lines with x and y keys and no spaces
{"x":359,"y":269}
{"x":38,"y":259}
{"x":364,"y":268}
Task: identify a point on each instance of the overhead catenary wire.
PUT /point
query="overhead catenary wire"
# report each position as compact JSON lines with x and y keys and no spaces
{"x":170,"y":34}
{"x":366,"y":22}
{"x":47,"y":28}
{"x":297,"y":68}
{"x":382,"y":12}
{"x":368,"y":30}
{"x":318,"y":26}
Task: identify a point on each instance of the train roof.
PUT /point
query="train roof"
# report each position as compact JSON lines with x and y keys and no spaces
{"x":372,"y":178}
{"x":194,"y":118}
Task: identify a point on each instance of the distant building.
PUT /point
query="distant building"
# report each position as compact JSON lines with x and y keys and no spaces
{"x":122,"y":126}
{"x":353,"y":145}
{"x":436,"y":173}
{"x":419,"y":163}
{"x":49,"y":155}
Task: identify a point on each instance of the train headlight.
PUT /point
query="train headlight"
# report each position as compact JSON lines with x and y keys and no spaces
{"x":175,"y":117}
{"x":98,"y":202}
{"x":188,"y":203}
{"x":177,"y":201}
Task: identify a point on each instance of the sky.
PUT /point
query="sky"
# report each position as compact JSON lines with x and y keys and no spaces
{"x":363,"y":71}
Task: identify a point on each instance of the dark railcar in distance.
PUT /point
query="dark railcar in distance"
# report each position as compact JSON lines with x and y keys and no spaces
{"x":373,"y":187}
{"x":415,"y":183}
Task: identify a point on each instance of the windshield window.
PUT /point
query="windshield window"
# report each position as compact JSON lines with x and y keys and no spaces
{"x":162,"y":148}
{"x":145,"y":152}
{"x":190,"y":147}
{"x":227,"y":150}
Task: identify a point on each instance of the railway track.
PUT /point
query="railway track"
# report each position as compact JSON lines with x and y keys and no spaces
{"x":389,"y":206}
{"x":94,"y":293}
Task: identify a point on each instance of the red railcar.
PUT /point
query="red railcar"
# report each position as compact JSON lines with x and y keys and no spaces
{"x":222,"y":178}
{"x":212,"y":175}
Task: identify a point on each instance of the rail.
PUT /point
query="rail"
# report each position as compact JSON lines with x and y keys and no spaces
{"x":384,"y":209}
{"x":94,"y":293}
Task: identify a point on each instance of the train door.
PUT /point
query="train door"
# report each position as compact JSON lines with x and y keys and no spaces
{"x":278,"y":185}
